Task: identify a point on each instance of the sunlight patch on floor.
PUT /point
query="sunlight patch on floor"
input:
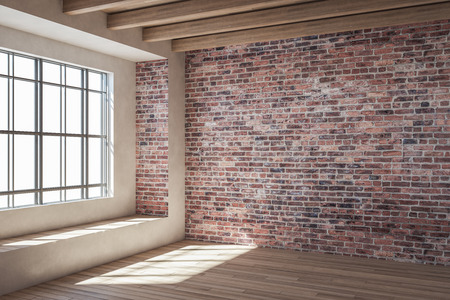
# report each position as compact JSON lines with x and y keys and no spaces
{"x":172,"y":267}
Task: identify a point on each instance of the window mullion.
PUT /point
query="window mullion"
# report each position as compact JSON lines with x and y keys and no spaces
{"x":65,"y":131}
{"x":86,"y":124}
{"x":62,"y":109}
{"x":12,"y":127}
{"x":105,"y":133}
{"x":39,"y":120}
{"x":102,"y":141}
{"x":10,"y":200}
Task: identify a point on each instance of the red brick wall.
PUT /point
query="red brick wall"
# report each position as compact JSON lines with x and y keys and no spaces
{"x":336,"y":143}
{"x":152,"y":138}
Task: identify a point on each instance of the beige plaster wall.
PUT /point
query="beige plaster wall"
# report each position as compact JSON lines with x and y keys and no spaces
{"x":176,"y":144}
{"x":34,"y":219}
{"x":21,"y":221}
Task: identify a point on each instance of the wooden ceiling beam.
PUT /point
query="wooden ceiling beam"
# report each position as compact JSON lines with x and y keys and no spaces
{"x":187,"y":11}
{"x":76,"y":7}
{"x":394,"y":17}
{"x":275,"y":16}
{"x":138,"y":4}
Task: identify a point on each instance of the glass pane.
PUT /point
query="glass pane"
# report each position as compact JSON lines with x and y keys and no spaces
{"x":73,"y":111}
{"x":3,"y":104}
{"x":51,"y":197}
{"x":51,"y":161}
{"x":24,"y":166}
{"x":3,"y":63}
{"x":51,"y":72}
{"x":95,"y":113}
{"x":24,"y":105}
{"x":95,"y":81}
{"x":3,"y":202}
{"x":24,"y":199}
{"x":95,"y":160}
{"x":73,"y":194}
{"x":51,"y":103}
{"x":73,"y":77}
{"x":73,"y":161}
{"x":95,"y":192}
{"x":24,"y":67}
{"x":3,"y":162}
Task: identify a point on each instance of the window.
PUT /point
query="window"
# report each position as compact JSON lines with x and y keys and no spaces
{"x":53,"y":131}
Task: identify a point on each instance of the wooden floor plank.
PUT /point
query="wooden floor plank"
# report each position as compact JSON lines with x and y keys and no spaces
{"x":198,"y":270}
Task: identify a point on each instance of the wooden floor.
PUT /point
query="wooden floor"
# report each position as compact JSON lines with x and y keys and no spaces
{"x":196,"y":270}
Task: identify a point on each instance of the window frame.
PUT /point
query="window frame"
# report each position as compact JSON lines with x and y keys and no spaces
{"x":39,"y":134}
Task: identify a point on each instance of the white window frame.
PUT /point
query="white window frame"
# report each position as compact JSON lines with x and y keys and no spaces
{"x":87,"y":190}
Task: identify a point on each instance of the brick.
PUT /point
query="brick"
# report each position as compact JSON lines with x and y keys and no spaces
{"x":152,"y":138}
{"x":334,"y":143}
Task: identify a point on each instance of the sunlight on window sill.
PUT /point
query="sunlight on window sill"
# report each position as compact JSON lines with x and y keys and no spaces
{"x":54,"y":236}
{"x":172,"y":267}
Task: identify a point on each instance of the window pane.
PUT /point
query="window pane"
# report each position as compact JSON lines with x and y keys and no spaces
{"x":73,"y":161}
{"x":95,"y":160}
{"x":51,"y":72}
{"x":3,"y":104}
{"x":3,"y":201}
{"x":51,"y":197}
{"x":24,"y":199}
{"x":24,"y":67}
{"x":51,"y":161}
{"x":24,"y":105}
{"x":3,"y":162}
{"x":73,"y":194}
{"x":51,"y":108}
{"x":95,"y":192}
{"x":73,"y":111}
{"x":3,"y":63}
{"x":95,"y":113}
{"x":73,"y":77}
{"x":95,"y":81}
{"x":24,"y":162}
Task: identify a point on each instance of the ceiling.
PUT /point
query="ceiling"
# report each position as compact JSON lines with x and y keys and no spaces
{"x":199,"y":24}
